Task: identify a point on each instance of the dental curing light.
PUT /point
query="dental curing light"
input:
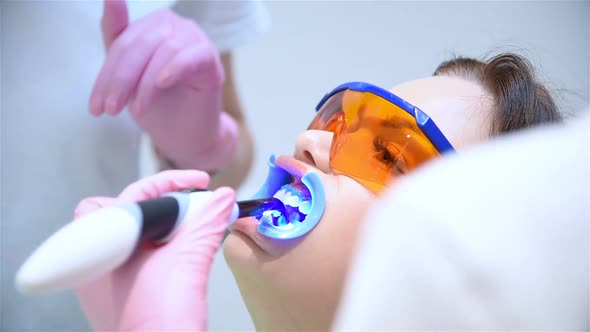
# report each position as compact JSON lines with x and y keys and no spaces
{"x":104,"y":239}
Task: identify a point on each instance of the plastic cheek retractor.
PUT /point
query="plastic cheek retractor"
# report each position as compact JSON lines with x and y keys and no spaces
{"x":305,"y":205}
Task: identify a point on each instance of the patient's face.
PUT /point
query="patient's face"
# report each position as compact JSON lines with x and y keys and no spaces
{"x":296,"y":284}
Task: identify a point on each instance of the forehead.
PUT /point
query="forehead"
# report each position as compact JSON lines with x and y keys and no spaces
{"x":460,"y":108}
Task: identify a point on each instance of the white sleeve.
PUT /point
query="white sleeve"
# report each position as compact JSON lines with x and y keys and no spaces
{"x":229,"y":24}
{"x":496,"y":238}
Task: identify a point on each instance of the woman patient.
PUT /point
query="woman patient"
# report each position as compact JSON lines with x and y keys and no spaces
{"x":298,"y":285}
{"x":362,"y":138}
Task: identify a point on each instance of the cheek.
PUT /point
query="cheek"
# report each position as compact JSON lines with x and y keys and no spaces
{"x":327,"y":250}
{"x":346,"y":206}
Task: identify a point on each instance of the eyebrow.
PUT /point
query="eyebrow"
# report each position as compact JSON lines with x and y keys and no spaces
{"x":399,"y":124}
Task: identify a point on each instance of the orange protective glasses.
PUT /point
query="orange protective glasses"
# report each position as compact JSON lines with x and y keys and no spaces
{"x":377,"y":135}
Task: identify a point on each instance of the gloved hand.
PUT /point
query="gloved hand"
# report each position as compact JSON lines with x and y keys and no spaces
{"x":170,"y":75}
{"x":160,"y":288}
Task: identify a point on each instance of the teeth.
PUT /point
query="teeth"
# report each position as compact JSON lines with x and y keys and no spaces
{"x":266,"y":218}
{"x":280,"y":194}
{"x":294,"y":217}
{"x":271,"y":214}
{"x":293,"y":201}
{"x":294,"y":195}
{"x":305,"y":207}
{"x":282,"y":221}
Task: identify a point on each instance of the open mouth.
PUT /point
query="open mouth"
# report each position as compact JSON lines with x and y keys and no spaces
{"x":303,"y":197}
{"x":297,"y":200}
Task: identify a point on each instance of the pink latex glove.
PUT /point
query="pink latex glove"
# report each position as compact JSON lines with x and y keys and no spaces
{"x":160,"y":288}
{"x":170,"y":75}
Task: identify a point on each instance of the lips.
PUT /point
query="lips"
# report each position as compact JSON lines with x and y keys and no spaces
{"x":302,"y":192}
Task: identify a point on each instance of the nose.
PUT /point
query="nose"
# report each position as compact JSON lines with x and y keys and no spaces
{"x":313,"y":147}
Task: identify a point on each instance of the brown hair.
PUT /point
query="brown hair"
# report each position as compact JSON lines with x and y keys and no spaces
{"x":519,"y":100}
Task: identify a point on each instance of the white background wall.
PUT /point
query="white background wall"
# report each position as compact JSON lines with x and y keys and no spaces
{"x":315,"y":45}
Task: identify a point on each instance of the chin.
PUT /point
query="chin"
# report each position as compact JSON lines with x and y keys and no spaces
{"x":240,"y":250}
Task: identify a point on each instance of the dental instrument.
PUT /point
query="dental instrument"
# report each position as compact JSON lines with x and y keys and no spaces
{"x":104,"y":239}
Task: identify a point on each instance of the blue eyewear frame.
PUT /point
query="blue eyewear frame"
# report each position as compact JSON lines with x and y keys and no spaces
{"x":423,"y":121}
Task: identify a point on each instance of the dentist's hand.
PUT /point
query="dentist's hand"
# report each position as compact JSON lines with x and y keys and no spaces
{"x":160,"y":288}
{"x":165,"y":69}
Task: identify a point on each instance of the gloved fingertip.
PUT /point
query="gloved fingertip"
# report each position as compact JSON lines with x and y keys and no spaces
{"x":91,"y":204}
{"x":222,"y":202}
{"x":112,"y":105}
{"x":215,"y":214}
{"x":225,"y":194}
{"x":95,"y":106}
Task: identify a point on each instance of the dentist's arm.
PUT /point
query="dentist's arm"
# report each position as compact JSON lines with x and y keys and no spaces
{"x":160,"y":288}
